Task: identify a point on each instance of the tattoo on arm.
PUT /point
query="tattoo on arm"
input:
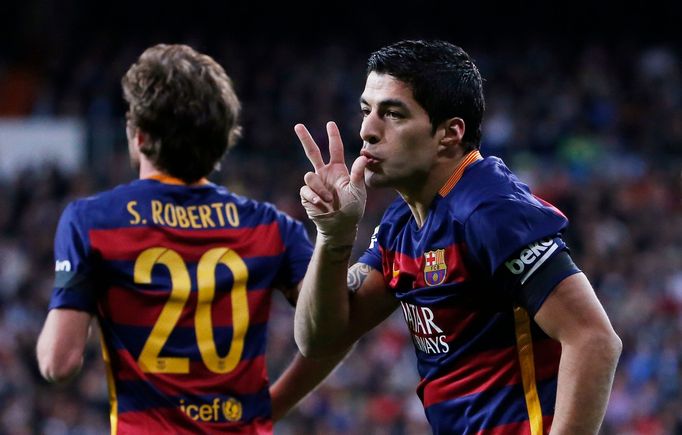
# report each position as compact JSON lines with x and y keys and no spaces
{"x":357,"y":275}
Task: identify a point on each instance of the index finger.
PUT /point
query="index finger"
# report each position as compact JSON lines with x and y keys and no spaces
{"x":312,"y":151}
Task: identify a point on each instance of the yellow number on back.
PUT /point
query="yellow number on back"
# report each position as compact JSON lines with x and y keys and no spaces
{"x":149,"y":359}
{"x":240,"y":309}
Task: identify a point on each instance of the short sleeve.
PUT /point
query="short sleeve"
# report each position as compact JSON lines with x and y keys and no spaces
{"x":533,"y":272}
{"x":297,"y":251}
{"x":372,"y":255}
{"x":73,"y":284}
{"x":498,"y":229}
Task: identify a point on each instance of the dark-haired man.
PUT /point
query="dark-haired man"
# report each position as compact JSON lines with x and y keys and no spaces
{"x":178,"y":271}
{"x":509,"y":335}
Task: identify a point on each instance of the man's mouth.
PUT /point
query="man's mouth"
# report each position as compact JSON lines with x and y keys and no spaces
{"x":371,"y":159}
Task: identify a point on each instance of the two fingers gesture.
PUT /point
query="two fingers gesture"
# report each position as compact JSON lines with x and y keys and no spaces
{"x":333,"y":197}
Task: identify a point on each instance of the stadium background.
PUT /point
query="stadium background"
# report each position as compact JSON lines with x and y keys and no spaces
{"x":584,"y":103}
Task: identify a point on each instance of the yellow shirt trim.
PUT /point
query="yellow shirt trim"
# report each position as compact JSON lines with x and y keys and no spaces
{"x":113,"y":399}
{"x":524,"y":347}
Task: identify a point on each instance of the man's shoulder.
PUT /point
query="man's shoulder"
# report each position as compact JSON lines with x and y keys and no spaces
{"x":86,"y":203}
{"x":265,"y":210}
{"x":107,"y":195}
{"x":88,"y":210}
{"x":489,"y":182}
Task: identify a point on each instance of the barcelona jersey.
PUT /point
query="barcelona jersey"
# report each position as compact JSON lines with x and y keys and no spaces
{"x":485,"y":366}
{"x":180,"y":279}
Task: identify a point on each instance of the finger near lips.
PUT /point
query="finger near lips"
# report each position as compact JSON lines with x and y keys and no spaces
{"x":312,"y":151}
{"x":357,"y":171}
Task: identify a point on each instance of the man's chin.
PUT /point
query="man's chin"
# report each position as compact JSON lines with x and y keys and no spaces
{"x":376,"y":181}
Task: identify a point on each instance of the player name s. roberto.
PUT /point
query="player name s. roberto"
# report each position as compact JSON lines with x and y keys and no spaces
{"x":213,"y":215}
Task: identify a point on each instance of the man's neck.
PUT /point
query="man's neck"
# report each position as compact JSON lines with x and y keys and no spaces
{"x":420,"y":197}
{"x":147,"y":170}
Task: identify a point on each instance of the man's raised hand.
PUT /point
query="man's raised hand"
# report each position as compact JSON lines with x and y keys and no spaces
{"x":333,"y":197}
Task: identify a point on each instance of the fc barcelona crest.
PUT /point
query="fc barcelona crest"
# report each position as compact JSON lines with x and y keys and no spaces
{"x":435,"y":267}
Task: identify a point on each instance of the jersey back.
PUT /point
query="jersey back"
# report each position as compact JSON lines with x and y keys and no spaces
{"x":180,"y":279}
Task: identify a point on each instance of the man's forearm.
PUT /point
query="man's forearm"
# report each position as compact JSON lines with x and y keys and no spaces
{"x":322,"y":311}
{"x":62,"y":342}
{"x":299,"y":379}
{"x":586,"y":374}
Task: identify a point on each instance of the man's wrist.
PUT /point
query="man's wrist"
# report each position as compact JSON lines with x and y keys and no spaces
{"x":338,"y":241}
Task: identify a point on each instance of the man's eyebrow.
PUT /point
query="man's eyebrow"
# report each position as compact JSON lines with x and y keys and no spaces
{"x":387,"y":103}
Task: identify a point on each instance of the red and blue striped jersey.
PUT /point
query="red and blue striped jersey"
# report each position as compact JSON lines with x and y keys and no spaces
{"x":180,"y":279}
{"x":485,"y":366}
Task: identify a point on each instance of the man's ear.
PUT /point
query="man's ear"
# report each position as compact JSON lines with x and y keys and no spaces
{"x":142,"y":140}
{"x":453,"y":131}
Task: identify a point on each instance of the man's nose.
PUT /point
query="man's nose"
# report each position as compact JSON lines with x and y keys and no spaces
{"x":370,"y":131}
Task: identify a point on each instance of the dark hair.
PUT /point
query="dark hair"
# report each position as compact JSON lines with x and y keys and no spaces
{"x":443,"y":79}
{"x":185,"y":102}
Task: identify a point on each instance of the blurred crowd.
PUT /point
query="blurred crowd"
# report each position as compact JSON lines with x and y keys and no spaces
{"x":594,"y":128}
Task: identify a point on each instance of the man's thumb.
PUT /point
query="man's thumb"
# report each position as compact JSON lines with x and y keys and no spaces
{"x":357,"y":173}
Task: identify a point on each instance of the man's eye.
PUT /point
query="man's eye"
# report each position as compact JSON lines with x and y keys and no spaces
{"x":392,"y":114}
{"x":365,"y":112}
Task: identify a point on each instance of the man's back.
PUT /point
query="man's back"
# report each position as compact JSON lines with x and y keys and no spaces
{"x":180,"y":279}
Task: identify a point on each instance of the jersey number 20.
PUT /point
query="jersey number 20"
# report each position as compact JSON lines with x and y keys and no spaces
{"x":149,"y":359}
